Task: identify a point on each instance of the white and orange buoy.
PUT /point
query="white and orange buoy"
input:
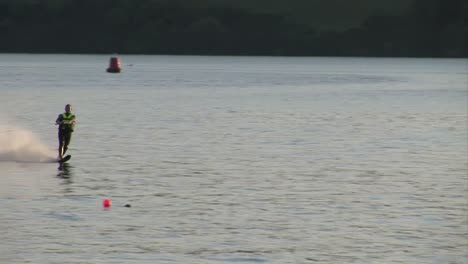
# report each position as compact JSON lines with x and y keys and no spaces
{"x":114,"y":65}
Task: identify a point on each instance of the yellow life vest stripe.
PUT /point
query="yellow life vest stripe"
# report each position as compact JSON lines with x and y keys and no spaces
{"x":68,"y":119}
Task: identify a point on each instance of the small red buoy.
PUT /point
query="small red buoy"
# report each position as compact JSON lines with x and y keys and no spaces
{"x":114,"y":65}
{"x":107,"y":203}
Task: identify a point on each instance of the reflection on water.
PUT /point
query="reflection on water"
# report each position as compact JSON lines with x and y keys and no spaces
{"x":65,"y":172}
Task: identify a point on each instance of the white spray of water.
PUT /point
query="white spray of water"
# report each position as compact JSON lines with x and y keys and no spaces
{"x":21,"y":145}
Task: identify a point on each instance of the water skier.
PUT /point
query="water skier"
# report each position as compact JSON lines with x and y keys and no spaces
{"x":66,"y":123}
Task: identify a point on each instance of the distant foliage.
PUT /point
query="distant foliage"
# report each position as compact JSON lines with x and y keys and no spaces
{"x":426,"y":28}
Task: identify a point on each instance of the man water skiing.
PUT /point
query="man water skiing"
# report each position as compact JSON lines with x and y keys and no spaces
{"x":66,"y":123}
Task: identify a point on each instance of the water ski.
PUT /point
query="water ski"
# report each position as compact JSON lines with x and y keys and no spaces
{"x":65,"y":159}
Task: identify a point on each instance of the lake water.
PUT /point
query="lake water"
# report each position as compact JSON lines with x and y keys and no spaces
{"x":235,"y":160}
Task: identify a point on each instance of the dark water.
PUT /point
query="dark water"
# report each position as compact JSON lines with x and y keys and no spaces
{"x":235,"y":160}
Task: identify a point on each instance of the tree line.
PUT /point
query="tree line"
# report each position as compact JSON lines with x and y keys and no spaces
{"x":428,"y":28}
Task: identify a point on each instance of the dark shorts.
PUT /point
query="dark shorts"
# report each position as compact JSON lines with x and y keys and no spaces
{"x":64,"y":137}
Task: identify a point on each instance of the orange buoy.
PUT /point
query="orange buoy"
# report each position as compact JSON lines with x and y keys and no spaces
{"x":114,"y":65}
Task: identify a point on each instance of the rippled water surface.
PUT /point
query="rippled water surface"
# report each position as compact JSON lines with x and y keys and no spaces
{"x":235,"y":160}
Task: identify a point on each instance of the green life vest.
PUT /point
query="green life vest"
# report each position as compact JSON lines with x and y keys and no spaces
{"x":67,"y":121}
